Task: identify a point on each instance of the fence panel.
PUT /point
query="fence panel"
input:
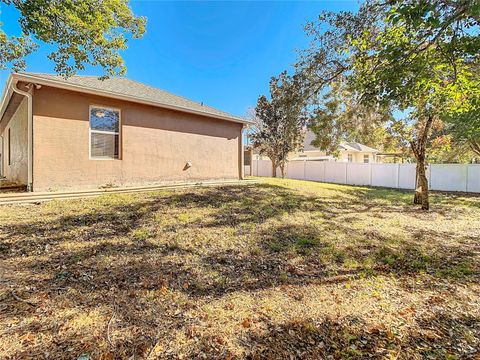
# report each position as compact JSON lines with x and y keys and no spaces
{"x":406,"y":176}
{"x":385,"y":175}
{"x":358,"y":174}
{"x":336,"y":172}
{"x":315,"y":170}
{"x":449,"y":177}
{"x":296,"y":170}
{"x":263,"y":168}
{"x":473,"y":178}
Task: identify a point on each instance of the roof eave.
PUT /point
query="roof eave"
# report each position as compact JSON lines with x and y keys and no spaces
{"x":7,"y":94}
{"x":114,"y":95}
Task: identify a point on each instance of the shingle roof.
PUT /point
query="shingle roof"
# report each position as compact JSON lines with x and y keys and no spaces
{"x":350,"y":146}
{"x":127,"y":87}
{"x":307,"y":142}
{"x":355,"y":146}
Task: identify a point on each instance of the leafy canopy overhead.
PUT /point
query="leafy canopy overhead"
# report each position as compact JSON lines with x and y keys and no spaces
{"x":417,"y":56}
{"x":337,"y":116}
{"x":83,"y":32}
{"x":420,"y":55}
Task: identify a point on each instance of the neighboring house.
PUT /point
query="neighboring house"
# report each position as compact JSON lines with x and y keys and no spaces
{"x":82,"y":132}
{"x":349,"y":152}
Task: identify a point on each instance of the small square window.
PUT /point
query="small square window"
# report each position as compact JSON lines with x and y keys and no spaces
{"x":104,"y":133}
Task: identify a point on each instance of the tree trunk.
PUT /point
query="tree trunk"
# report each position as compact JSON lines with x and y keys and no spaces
{"x":417,"y":198}
{"x":475,"y":146}
{"x":423,"y":184}
{"x":421,"y":190}
{"x":274,"y":169}
{"x":419,"y":151}
{"x":282,"y":169}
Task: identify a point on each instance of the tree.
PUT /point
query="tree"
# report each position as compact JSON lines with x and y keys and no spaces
{"x":446,"y":149}
{"x":279,"y":122}
{"x":419,"y":56}
{"x":84,"y":32}
{"x":415,"y":56}
{"x":337,"y":116}
{"x":465,"y":128}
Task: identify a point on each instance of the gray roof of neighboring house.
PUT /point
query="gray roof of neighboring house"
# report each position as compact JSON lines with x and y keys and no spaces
{"x":350,"y":146}
{"x":307,"y":142}
{"x":126,"y":87}
{"x":355,"y":146}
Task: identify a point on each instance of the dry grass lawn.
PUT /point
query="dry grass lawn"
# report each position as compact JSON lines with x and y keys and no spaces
{"x":281,"y":269}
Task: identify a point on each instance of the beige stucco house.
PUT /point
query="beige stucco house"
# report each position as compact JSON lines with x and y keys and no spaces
{"x":82,"y":132}
{"x":348,"y":152}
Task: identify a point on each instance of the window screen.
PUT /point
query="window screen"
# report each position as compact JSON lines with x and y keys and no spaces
{"x":104,"y":133}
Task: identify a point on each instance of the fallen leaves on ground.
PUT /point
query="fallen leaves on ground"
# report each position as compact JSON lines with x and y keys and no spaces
{"x":283,"y":269}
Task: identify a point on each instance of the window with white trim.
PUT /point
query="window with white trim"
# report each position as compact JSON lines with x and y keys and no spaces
{"x":350,"y":157}
{"x":366,"y":158}
{"x":104,"y":133}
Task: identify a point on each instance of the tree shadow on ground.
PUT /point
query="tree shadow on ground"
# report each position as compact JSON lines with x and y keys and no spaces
{"x":232,"y":206}
{"x":122,"y":256}
{"x":399,"y":197}
{"x":437,"y":336}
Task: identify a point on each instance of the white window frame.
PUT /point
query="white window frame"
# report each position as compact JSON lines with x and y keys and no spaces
{"x":350,"y":158}
{"x":119,"y":133}
{"x":366,"y":157}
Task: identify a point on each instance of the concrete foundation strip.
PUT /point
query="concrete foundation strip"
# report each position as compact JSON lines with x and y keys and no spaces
{"x":33,"y":197}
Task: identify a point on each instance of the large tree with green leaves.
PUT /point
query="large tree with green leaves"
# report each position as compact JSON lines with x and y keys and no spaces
{"x":82,"y":31}
{"x":279,"y":121}
{"x":465,"y":126}
{"x":337,"y":116}
{"x":417,"y":56}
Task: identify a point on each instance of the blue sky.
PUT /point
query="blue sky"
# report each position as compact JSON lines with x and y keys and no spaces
{"x":221,"y":53}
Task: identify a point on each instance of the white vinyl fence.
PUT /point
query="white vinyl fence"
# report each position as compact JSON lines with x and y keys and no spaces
{"x":449,"y":177}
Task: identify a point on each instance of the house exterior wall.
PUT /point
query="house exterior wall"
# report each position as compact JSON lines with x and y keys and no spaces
{"x":311,"y":154}
{"x":155,"y":144}
{"x":357,"y":157}
{"x":17,"y":170}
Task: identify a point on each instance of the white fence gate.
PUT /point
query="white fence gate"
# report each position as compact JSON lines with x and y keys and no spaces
{"x":449,"y":177}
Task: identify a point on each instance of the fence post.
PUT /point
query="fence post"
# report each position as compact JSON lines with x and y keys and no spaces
{"x":429,"y":169}
{"x":370,"y":181}
{"x":398,"y":176}
{"x":466,"y":178}
{"x":305,"y":169}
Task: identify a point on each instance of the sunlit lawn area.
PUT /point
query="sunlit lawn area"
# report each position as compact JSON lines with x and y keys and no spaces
{"x":280,"y":269}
